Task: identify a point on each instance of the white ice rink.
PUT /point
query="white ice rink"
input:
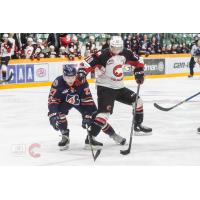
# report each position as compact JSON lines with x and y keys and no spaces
{"x":24,"y":124}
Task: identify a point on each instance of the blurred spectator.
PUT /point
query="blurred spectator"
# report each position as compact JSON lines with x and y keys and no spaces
{"x":51,"y":53}
{"x":13,"y":49}
{"x":54,"y":39}
{"x":107,"y":44}
{"x":73,"y":49}
{"x":184,"y":49}
{"x":164,"y":50}
{"x":135,"y":44}
{"x":179,"y":48}
{"x":143,"y":45}
{"x":154,"y":47}
{"x":62,"y":52}
{"x":5,"y":54}
{"x":159,"y":38}
{"x":174,"y":49}
{"x":168,"y":49}
{"x":128,"y":42}
{"x":27,"y":50}
{"x":65,"y":39}
{"x":39,"y":50}
{"x":90,"y":46}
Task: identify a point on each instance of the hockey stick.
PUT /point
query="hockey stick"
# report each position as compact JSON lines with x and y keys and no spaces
{"x":170,"y":108}
{"x":94,"y":155}
{"x":8,"y":79}
{"x":127,"y":151}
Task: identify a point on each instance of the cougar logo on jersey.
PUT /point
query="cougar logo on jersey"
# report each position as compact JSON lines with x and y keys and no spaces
{"x":65,"y":91}
{"x":117,"y":71}
{"x":73,"y":99}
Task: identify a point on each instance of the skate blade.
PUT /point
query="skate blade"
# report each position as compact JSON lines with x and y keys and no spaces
{"x":87,"y":147}
{"x":142,"y":134}
{"x":121,"y":143}
{"x":64,"y":148}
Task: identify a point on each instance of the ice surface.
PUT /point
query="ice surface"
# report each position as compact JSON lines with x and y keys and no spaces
{"x":24,"y":122}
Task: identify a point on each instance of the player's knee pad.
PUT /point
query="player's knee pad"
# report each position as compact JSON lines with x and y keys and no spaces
{"x":4,"y":68}
{"x":101,"y":119}
{"x":62,"y":121}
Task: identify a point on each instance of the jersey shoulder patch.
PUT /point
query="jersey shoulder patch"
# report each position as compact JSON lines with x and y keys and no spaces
{"x":58,"y":81}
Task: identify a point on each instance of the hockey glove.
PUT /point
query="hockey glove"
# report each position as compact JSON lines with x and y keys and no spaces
{"x":82,"y":74}
{"x":87,"y":121}
{"x":54,"y":120}
{"x":139,"y":75}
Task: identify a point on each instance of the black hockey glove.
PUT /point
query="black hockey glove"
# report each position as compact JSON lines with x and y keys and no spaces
{"x":87,"y":121}
{"x":139,"y":75}
{"x":82,"y":74}
{"x":54,"y":120}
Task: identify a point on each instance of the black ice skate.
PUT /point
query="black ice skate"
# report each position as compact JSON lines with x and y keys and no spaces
{"x":141,"y":130}
{"x":95,"y":144}
{"x":118,"y":139}
{"x":198,"y":130}
{"x":64,"y":143}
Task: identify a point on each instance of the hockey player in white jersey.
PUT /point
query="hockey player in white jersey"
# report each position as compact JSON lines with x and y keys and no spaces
{"x":110,"y":85}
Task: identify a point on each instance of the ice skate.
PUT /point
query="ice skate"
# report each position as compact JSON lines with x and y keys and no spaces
{"x":95,"y":144}
{"x":64,"y":143}
{"x":118,"y":139}
{"x":141,"y":130}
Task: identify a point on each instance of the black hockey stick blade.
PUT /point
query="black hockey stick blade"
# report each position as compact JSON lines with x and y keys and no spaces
{"x":162,"y":108}
{"x":97,"y":154}
{"x":8,"y":79}
{"x":127,"y":151}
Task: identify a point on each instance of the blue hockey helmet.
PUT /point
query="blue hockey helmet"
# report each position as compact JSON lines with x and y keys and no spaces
{"x":69,"y":70}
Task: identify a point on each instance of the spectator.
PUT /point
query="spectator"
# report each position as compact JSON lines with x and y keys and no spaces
{"x":164,"y":50}
{"x":179,"y":48}
{"x":90,"y":46}
{"x":153,"y":46}
{"x":51,"y":53}
{"x":107,"y":44}
{"x":62,"y":52}
{"x":39,"y":50}
{"x":27,"y":50}
{"x":5,"y":54}
{"x":184,"y":49}
{"x":128,"y":42}
{"x":135,"y":44}
{"x":13,"y":49}
{"x":174,"y":49}
{"x":65,"y":40}
{"x":159,"y":38}
{"x":54,"y":39}
{"x":143,"y":45}
{"x":73,"y":49}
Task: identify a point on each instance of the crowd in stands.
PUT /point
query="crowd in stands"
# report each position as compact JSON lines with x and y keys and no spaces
{"x":36,"y":46}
